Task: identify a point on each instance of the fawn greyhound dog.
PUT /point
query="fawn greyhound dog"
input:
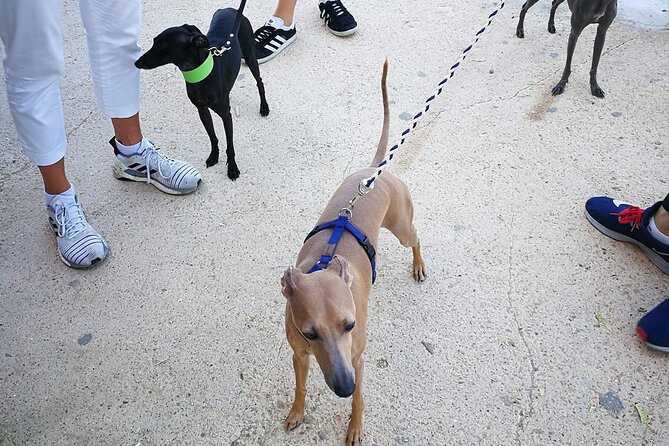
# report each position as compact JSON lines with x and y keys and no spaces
{"x":583,"y":13}
{"x":210,"y":65}
{"x":326,"y":294}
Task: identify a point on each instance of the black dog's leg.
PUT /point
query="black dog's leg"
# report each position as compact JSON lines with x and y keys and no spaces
{"x":520,"y":32}
{"x":597,"y":52}
{"x":205,"y":117}
{"x":551,"y":19}
{"x":226,"y":116}
{"x":246,"y":44}
{"x":576,"y":29}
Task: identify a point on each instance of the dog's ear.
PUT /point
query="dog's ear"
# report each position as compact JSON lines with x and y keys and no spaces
{"x":288,"y":281}
{"x":200,"y":41}
{"x":340,"y":265}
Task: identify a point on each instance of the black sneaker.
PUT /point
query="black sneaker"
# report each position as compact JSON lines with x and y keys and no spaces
{"x":270,"y":41}
{"x":339,"y":21}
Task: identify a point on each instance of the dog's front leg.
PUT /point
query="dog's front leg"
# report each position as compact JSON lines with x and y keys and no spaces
{"x":233,"y":170}
{"x":205,"y":117}
{"x":296,"y":414}
{"x":577,"y":28}
{"x":354,"y":433}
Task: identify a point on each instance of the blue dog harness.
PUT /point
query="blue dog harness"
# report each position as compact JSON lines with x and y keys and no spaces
{"x":342,"y":224}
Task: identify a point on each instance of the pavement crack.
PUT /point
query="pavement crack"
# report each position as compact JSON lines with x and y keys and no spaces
{"x":82,"y":122}
{"x":524,"y":414}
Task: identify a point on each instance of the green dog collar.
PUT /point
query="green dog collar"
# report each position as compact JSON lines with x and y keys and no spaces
{"x":200,"y":73}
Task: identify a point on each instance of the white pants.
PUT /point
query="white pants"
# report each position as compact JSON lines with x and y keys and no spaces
{"x":33,"y":62}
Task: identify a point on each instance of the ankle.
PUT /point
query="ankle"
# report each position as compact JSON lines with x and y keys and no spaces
{"x":661,"y":218}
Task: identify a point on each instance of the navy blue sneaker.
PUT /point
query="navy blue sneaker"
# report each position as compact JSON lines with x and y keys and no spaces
{"x":626,"y":223}
{"x":653,"y":328}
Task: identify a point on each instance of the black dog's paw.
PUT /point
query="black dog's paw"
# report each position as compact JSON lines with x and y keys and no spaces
{"x":233,"y":171}
{"x":264,"y":109}
{"x":551,"y":28}
{"x":520,"y":33}
{"x":596,"y":91}
{"x":558,"y":89}
{"x":212,"y":161}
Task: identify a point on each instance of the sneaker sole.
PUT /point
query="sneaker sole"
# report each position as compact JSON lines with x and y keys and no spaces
{"x":652,"y":256}
{"x":286,"y":44}
{"x":657,"y":347}
{"x":120,"y":174}
{"x":73,"y":266}
{"x":343,"y":33}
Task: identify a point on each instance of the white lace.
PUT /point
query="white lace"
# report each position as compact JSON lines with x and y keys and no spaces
{"x":70,"y":218}
{"x":153,"y":154}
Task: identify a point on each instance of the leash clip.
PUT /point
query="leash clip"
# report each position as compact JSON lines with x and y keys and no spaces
{"x":346,"y":212}
{"x":219,"y":51}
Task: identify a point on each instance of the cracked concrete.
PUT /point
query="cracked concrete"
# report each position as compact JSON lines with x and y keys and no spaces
{"x":186,"y":318}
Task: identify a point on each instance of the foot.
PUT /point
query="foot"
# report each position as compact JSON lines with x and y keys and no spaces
{"x":626,"y":223}
{"x":551,"y":28}
{"x":354,"y":433}
{"x":271,"y":39}
{"x":150,"y":165}
{"x":294,"y":418}
{"x":520,"y":33}
{"x":558,"y":89}
{"x":653,"y":328}
{"x":79,"y":245}
{"x":339,"y":21}
{"x":596,"y":91}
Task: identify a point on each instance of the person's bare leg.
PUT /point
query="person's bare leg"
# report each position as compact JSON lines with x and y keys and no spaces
{"x":55,"y":180}
{"x":127,"y":131}
{"x":285,"y":10}
{"x":662,"y":220}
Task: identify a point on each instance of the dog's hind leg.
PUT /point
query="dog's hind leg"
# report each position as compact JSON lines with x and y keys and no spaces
{"x":597,"y":52}
{"x":296,"y":414}
{"x":551,"y":19}
{"x":520,"y":31}
{"x":205,"y":117}
{"x":246,"y":43}
{"x":399,"y":221}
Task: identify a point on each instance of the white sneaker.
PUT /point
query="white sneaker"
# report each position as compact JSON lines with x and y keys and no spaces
{"x":169,"y":175}
{"x":79,"y":245}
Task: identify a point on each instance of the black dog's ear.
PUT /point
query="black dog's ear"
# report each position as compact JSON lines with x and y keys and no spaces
{"x":200,"y":41}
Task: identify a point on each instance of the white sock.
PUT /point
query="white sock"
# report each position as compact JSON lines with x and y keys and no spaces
{"x":277,"y":22}
{"x":68,"y":193}
{"x":656,"y":233}
{"x":128,"y":150}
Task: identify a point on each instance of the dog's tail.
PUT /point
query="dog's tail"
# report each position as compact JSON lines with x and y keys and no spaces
{"x":238,"y":18}
{"x":383,"y":141}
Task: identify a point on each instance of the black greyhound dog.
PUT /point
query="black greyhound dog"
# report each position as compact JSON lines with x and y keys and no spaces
{"x":583,"y":13}
{"x":210,"y":65}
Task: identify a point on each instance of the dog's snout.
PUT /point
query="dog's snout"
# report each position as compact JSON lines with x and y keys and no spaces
{"x":138,"y":63}
{"x":345,"y":388}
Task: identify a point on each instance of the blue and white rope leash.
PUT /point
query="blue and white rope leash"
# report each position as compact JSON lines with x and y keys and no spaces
{"x":368,"y":183}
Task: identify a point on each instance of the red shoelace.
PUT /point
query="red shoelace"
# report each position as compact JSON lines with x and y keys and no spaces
{"x":631,"y":215}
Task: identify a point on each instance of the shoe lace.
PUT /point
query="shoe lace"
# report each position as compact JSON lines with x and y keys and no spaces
{"x":70,"y":219}
{"x":265,"y":33}
{"x":631,"y":215}
{"x":332,"y":9}
{"x":160,"y":159}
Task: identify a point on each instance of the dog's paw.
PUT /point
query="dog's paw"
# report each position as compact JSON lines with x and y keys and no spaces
{"x":233,"y":171}
{"x":354,"y":434}
{"x":293,"y":419}
{"x":264,"y":109}
{"x":596,"y":91}
{"x":520,"y":33}
{"x":419,"y":273}
{"x":211,"y":161}
{"x":551,"y":28}
{"x":558,"y":89}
